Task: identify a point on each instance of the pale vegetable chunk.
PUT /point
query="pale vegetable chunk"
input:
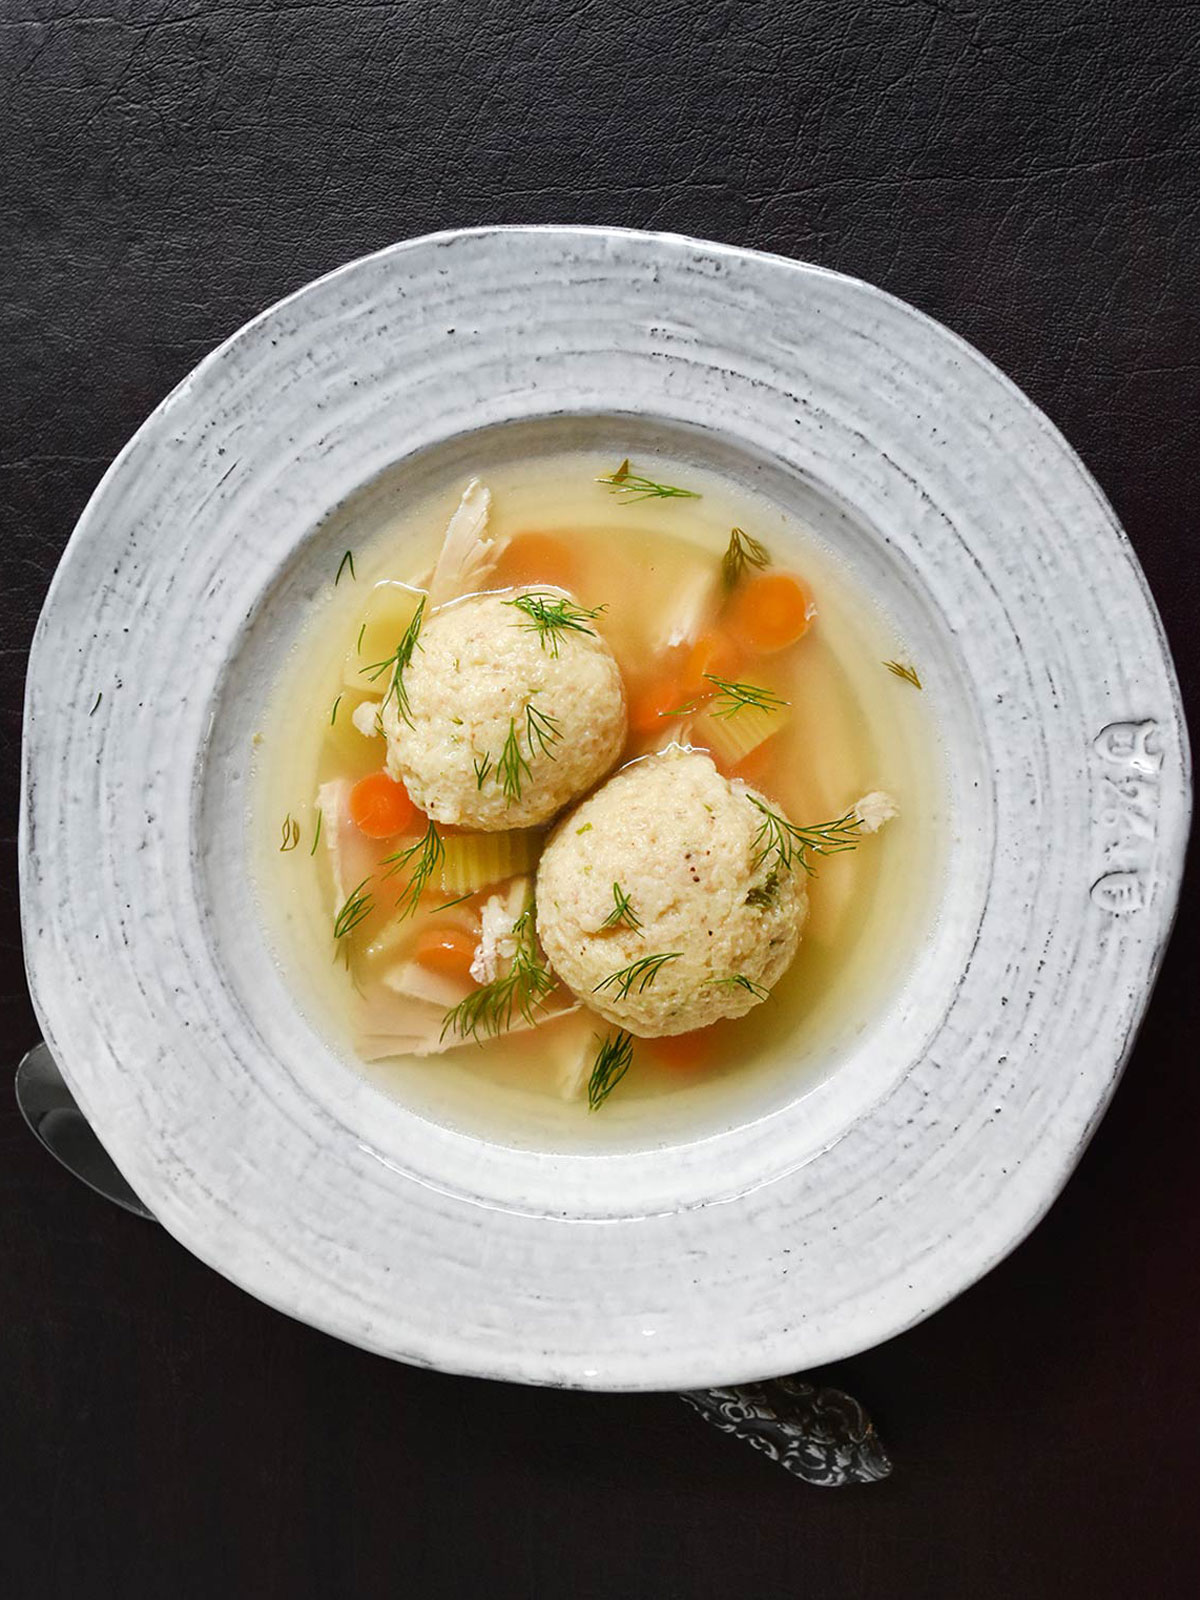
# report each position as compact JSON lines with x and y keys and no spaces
{"x":473,"y":861}
{"x":388,"y":613}
{"x":734,"y":737}
{"x":657,"y":905}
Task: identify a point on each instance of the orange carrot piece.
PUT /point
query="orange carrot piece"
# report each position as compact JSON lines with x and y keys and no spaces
{"x":752,"y":768}
{"x":770,"y":611}
{"x":448,"y":951}
{"x":713,"y":653}
{"x":533,"y":558}
{"x":380,"y":807}
{"x":650,"y":705}
{"x":683,"y":1051}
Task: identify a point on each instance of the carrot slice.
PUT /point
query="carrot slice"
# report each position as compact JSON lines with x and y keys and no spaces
{"x":447,"y":951}
{"x":771,"y":611}
{"x":380,"y":807}
{"x":684,"y":1051}
{"x":650,"y":705}
{"x":754,"y":766}
{"x":531,"y":558}
{"x":713,"y":653}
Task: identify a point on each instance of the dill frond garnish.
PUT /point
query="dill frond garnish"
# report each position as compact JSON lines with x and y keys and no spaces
{"x":638,"y":974}
{"x":540,"y":725}
{"x":739,"y":980}
{"x":359,"y":640}
{"x":426,"y":856}
{"x":622,"y":913}
{"x":397,"y":662}
{"x":96,"y":705}
{"x":521,"y":990}
{"x":730,"y":697}
{"x":742,"y":552}
{"x":783,"y":840}
{"x":317,"y":834}
{"x":552,"y":616}
{"x":512,"y":767}
{"x":291,"y":833}
{"x":612,"y":1063}
{"x":766,"y":893}
{"x":633,"y":487}
{"x":333,"y":713}
{"x":357,"y":905}
{"x":446,"y":904}
{"x":909,"y":674}
{"x":347,"y":561}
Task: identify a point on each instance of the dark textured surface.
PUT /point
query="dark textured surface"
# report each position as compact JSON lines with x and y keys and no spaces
{"x":1030,"y":174}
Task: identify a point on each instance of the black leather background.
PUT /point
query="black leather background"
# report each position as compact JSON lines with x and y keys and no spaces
{"x":1028,"y":173}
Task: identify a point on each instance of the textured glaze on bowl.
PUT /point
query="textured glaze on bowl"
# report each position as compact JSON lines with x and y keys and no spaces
{"x":799,"y":1235}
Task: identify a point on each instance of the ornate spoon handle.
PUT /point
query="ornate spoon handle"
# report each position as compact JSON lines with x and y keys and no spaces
{"x":820,"y":1435}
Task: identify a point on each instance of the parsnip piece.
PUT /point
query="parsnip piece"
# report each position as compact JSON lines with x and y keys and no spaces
{"x":390,"y":608}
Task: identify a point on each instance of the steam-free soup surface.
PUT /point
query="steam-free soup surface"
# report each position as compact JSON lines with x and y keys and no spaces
{"x":755,"y":647}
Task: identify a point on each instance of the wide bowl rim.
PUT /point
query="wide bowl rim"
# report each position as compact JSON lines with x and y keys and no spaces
{"x":624,"y":1373}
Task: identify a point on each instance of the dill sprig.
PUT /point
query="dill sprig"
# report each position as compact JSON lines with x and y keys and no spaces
{"x":317,"y":834}
{"x":291,"y":833}
{"x":426,"y":855}
{"x":634,"y":487}
{"x":540,"y":725}
{"x":612,"y":1063}
{"x":552,"y":616}
{"x":741,"y":553}
{"x":334,"y":712}
{"x":731,"y":698}
{"x":357,"y":905}
{"x":521,"y":990}
{"x":622,"y":913}
{"x":359,"y":640}
{"x":900,"y":670}
{"x":397,"y":662}
{"x":446,"y":904}
{"x":739,"y":980}
{"x":512,"y":768}
{"x":788,"y":844}
{"x":638,"y":974}
{"x":346,"y":561}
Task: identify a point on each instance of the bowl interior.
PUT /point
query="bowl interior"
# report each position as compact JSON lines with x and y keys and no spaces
{"x":841,"y":1068}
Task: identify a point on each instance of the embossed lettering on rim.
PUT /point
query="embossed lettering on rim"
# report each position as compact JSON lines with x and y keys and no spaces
{"x":218,"y":1112}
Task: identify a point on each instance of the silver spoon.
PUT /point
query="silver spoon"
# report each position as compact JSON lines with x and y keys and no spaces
{"x":821,"y":1435}
{"x":49,"y":1108}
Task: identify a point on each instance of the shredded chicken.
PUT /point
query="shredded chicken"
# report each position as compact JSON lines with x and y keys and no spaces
{"x":496,"y":920}
{"x":467,"y":557}
{"x":396,"y":1025}
{"x":874,"y":809}
{"x":351,"y":856}
{"x":365,"y":718}
{"x":692,"y":607}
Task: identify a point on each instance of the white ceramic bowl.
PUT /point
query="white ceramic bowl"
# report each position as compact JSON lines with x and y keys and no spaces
{"x":812,"y":1228}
